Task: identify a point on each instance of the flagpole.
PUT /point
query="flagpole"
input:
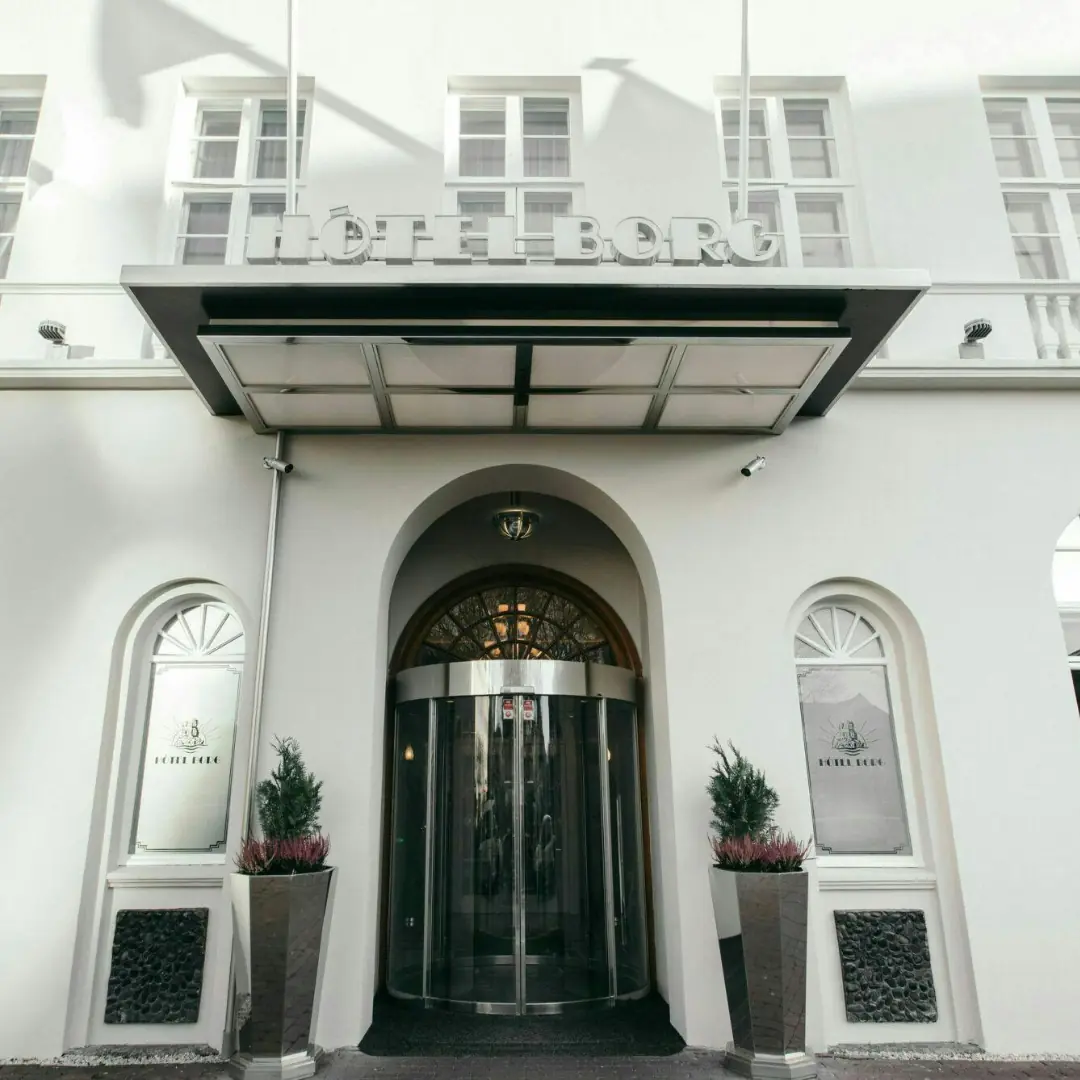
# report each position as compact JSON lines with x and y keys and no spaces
{"x":290,"y":110}
{"x":744,"y":116}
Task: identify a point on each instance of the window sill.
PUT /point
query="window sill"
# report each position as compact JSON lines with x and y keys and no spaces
{"x":220,"y":184}
{"x":204,"y":875}
{"x":506,"y":181}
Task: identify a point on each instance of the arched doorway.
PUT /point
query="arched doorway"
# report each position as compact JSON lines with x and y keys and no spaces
{"x":517,"y":856}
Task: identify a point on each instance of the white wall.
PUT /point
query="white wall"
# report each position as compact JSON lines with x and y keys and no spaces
{"x":116,"y":493}
{"x":857,"y":495}
{"x":115,"y":71}
{"x":106,"y":497}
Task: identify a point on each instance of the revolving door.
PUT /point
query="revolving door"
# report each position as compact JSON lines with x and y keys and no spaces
{"x":517,"y":879}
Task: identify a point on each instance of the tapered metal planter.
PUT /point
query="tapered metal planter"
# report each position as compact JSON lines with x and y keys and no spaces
{"x":761,"y":925}
{"x":279,"y":923}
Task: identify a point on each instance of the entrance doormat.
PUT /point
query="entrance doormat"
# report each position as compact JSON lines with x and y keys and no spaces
{"x":630,"y":1029}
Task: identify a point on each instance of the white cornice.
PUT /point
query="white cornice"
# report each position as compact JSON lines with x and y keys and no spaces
{"x":968,"y":378}
{"x":106,"y":377}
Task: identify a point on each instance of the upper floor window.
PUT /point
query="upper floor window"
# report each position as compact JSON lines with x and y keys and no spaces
{"x":799,"y":176}
{"x":513,"y":154}
{"x":233,"y":171}
{"x":1036,"y":143}
{"x":18,"y":126}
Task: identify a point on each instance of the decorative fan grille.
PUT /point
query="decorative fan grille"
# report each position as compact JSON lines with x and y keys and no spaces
{"x":513,"y":622}
{"x":835,"y":633}
{"x":208,"y":631}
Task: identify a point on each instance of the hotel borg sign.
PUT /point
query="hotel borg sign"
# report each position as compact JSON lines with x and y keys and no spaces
{"x":401,"y":239}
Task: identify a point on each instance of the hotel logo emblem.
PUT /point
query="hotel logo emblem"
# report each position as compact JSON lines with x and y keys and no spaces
{"x":848,"y":741}
{"x":188,"y":737}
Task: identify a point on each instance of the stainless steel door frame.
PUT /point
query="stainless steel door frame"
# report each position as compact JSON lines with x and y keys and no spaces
{"x":489,"y":678}
{"x":514,"y":700}
{"x":605,"y":828}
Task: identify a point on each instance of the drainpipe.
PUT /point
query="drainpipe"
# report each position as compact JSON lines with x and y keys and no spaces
{"x":264,"y":630}
{"x":744,"y":116}
{"x":290,"y":119}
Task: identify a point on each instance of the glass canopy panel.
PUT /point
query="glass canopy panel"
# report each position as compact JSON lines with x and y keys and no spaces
{"x":588,"y":410}
{"x":448,"y":365}
{"x":317,"y":410}
{"x":598,"y":365}
{"x":453,"y":410}
{"x":748,"y":365}
{"x":723,"y":410}
{"x":300,"y":364}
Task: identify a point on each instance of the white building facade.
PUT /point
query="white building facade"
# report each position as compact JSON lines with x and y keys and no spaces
{"x":462,"y":167}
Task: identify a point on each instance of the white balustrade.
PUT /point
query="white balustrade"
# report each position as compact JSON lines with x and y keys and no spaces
{"x":1055,"y":323}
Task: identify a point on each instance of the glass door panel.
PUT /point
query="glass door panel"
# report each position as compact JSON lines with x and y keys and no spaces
{"x":405,"y":961}
{"x":565,"y":943}
{"x":627,"y":855}
{"x":472,"y":898}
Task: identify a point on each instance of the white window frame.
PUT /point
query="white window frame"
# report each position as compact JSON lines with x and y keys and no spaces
{"x":783,"y":183}
{"x":142,"y":663}
{"x":513,"y":185}
{"x":162,"y":880}
{"x":1052,"y":184}
{"x":243,"y":186}
{"x":14,"y":188}
{"x":903,"y":733}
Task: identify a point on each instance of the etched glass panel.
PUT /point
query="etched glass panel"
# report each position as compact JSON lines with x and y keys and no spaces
{"x":855,"y":787}
{"x":194,"y":693}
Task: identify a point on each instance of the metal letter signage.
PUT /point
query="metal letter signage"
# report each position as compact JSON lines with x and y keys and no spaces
{"x":344,"y":238}
{"x":637,"y":242}
{"x":403,"y":239}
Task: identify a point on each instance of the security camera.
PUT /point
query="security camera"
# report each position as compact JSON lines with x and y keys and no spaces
{"x":976,"y":330}
{"x":753,"y":466}
{"x":277,"y":465}
{"x":52,"y":331}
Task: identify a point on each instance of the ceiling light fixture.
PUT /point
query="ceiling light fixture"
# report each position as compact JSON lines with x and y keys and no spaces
{"x":515,"y":522}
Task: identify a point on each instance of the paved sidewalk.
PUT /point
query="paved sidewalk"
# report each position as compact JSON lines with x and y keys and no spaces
{"x":687,"y":1065}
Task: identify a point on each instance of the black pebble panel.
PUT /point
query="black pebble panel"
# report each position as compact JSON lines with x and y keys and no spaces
{"x":885,"y":964}
{"x":157,"y":966}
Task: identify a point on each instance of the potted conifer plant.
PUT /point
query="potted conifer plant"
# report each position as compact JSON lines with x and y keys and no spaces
{"x":760,"y":894}
{"x":280,"y":898}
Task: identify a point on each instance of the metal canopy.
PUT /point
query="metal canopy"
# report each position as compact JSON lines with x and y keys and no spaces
{"x":542,"y":349}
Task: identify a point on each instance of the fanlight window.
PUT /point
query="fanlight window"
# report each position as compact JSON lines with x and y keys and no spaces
{"x":513,"y":622}
{"x":848,"y":727}
{"x":193,"y":696}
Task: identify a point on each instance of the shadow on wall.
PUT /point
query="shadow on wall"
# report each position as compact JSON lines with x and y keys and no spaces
{"x":649,"y":134}
{"x":139,"y":37}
